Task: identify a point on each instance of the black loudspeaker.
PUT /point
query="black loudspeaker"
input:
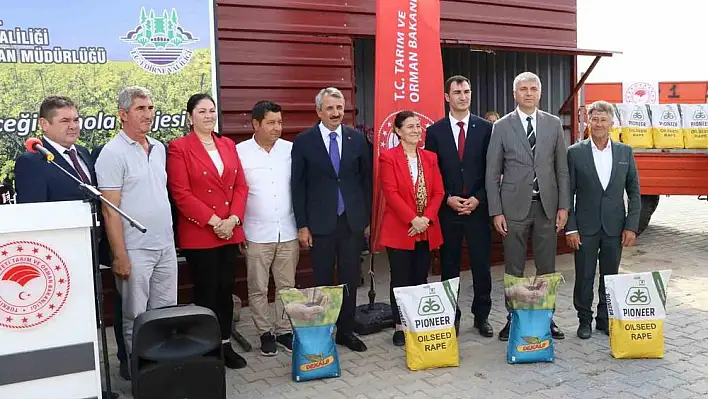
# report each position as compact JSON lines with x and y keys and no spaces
{"x":177,"y":354}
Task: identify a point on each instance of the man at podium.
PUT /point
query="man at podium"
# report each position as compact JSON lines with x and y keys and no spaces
{"x":38,"y":181}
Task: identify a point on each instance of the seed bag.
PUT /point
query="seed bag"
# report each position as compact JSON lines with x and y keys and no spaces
{"x":428,"y":321}
{"x":695,"y":125}
{"x":531,"y":301}
{"x":313,"y":313}
{"x":666,"y":126}
{"x":636,"y":306}
{"x":636,"y":125}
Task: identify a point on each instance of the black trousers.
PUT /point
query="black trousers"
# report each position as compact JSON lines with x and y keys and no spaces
{"x":408,"y":268}
{"x":213,"y":272}
{"x":341,"y":248}
{"x":476,"y":230}
{"x":609,"y":251}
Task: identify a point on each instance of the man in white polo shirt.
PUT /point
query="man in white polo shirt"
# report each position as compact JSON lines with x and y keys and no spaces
{"x":269,"y":224}
{"x":131,"y":175}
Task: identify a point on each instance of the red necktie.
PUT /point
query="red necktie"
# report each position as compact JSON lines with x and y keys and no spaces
{"x":461,"y":147}
{"x":461,"y":139}
{"x":77,"y":166}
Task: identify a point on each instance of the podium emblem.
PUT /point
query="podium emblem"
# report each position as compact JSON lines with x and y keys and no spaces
{"x":34,"y":284}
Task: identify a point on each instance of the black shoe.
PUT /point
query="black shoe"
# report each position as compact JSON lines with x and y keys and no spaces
{"x":232,"y":359}
{"x":285,"y":341}
{"x":124,"y":370}
{"x":351,"y":341}
{"x":556,"y":332}
{"x":457,"y":327}
{"x":485,"y":329}
{"x":504,"y":333}
{"x":584,"y":330}
{"x":268,"y":347}
{"x":399,"y":339}
{"x":602,"y":325}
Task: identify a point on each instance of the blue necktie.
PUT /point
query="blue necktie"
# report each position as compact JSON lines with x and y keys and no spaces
{"x":334,"y":157}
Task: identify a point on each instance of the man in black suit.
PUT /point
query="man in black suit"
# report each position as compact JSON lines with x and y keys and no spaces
{"x":38,"y":181}
{"x":599,"y":224}
{"x":460,"y":140}
{"x":331,"y":190}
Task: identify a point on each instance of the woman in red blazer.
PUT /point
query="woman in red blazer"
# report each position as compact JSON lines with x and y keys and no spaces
{"x":413,"y":191}
{"x":209,"y":188}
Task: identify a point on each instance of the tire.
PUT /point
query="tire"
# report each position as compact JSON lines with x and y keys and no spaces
{"x":649,"y":204}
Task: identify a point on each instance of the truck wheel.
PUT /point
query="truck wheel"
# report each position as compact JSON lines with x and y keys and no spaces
{"x":649,"y":204}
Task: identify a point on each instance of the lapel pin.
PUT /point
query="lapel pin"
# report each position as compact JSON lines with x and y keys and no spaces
{"x":472,"y":125}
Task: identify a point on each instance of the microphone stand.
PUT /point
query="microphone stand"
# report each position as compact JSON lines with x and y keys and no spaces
{"x":93,"y":197}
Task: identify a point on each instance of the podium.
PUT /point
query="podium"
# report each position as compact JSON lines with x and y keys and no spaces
{"x":48,"y":335}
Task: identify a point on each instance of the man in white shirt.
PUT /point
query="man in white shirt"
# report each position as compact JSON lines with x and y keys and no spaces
{"x":598,"y":224}
{"x":269,"y":223}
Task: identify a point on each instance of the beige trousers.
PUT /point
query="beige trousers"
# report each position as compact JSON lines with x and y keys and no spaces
{"x":282,"y":259}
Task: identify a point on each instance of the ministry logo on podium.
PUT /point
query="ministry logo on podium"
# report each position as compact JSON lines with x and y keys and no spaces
{"x":159,"y":43}
{"x":34,"y":284}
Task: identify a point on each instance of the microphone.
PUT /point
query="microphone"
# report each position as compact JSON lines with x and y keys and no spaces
{"x":34,"y":144}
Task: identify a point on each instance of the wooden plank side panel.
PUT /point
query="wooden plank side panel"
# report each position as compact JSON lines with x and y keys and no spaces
{"x":369,"y":6}
{"x":289,"y":69}
{"x":521,"y":22}
{"x":673,"y":174}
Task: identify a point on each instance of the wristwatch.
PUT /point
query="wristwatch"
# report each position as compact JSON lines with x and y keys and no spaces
{"x":238,"y":220}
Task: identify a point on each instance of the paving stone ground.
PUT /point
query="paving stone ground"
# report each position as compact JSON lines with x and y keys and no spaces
{"x":677,"y":238}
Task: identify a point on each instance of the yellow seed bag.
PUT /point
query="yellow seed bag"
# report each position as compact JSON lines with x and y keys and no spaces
{"x":666,"y":126}
{"x":428,"y":321}
{"x":695,"y":125}
{"x":636,"y":305}
{"x":636,"y":125}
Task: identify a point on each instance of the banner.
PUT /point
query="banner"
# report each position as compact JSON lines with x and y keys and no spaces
{"x":409,"y":76}
{"x":89,"y":51}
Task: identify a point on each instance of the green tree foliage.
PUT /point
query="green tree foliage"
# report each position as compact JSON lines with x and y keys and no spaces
{"x":95,"y":89}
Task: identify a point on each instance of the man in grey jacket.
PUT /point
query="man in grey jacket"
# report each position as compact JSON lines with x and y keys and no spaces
{"x":601,"y":170}
{"x":528,"y":148}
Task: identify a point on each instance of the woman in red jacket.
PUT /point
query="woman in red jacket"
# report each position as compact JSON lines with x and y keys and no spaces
{"x":209,"y":188}
{"x":413,"y":191}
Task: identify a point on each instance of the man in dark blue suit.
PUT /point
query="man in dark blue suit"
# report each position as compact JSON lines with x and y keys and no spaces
{"x":460,"y":140}
{"x":331,"y":190}
{"x":38,"y":181}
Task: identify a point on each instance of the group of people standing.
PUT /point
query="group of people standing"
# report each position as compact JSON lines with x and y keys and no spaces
{"x":267,"y":198}
{"x":519,"y":172}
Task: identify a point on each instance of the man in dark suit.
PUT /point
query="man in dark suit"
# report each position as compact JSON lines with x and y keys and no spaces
{"x":331,"y":190}
{"x":38,"y":181}
{"x":601,"y":170}
{"x":460,"y":140}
